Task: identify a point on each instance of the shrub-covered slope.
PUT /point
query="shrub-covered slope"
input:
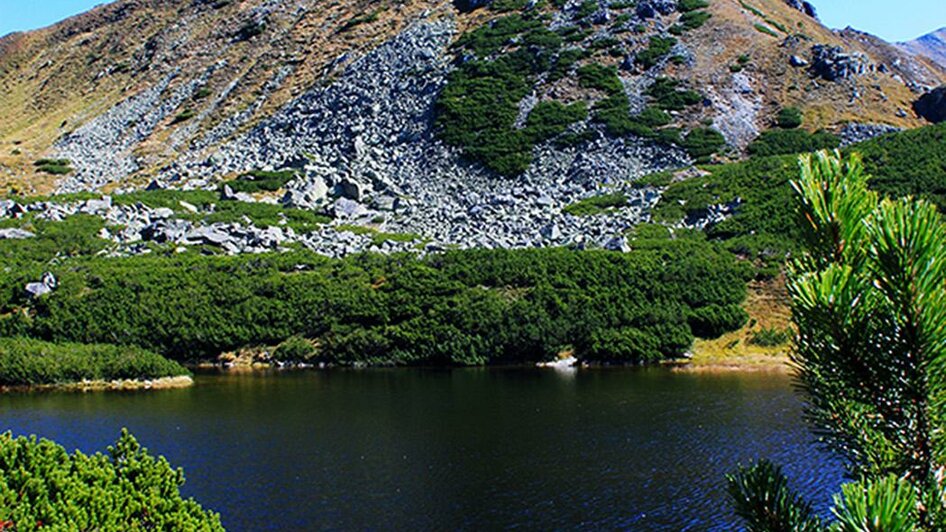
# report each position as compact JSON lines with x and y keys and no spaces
{"x":900,"y":164}
{"x":468,"y":308}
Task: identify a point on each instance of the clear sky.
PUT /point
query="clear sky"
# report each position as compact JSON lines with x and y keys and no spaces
{"x":894,"y":20}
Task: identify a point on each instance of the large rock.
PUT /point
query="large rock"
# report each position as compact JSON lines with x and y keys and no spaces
{"x":47,"y":284}
{"x":469,"y":5}
{"x":854,"y":132}
{"x":652,"y":8}
{"x":208,"y":236}
{"x":932,"y":105}
{"x":346,"y":208}
{"x":351,"y":189}
{"x":307,"y":195}
{"x":804,"y":7}
{"x":96,"y":206}
{"x":833,"y":63}
{"x":15,"y":234}
{"x":162,"y":231}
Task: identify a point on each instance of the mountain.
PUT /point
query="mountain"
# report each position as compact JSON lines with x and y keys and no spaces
{"x":470,"y":122}
{"x":932,"y":45}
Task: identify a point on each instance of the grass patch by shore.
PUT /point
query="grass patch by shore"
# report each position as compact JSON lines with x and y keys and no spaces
{"x":768,"y":309}
{"x":29,"y":362}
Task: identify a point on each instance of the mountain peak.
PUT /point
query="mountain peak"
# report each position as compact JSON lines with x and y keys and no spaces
{"x":931,"y":45}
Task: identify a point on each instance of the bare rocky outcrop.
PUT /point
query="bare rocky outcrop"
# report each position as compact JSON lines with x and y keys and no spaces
{"x":833,"y":63}
{"x":854,"y":133}
{"x":932,"y":105}
{"x":803,"y":6}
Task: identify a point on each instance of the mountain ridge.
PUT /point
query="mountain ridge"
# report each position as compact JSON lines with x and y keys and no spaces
{"x":931,"y":45}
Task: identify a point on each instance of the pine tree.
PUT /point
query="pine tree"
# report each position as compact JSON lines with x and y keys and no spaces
{"x":869,"y":304}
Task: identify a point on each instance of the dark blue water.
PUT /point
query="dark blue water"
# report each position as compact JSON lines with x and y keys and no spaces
{"x":453,"y":449}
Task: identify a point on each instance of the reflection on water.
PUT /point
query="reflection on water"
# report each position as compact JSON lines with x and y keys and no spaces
{"x":468,"y":449}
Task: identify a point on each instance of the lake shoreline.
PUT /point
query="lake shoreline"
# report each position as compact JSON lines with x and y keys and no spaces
{"x":119,"y":385}
{"x":737,"y":364}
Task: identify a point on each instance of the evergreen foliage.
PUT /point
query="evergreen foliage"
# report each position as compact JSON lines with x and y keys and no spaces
{"x":463,"y":307}
{"x":789,"y":118}
{"x":53,"y":166}
{"x":703,"y":142}
{"x":868,"y":302}
{"x":477,"y":110}
{"x":658,"y":48}
{"x":792,"y":141}
{"x":261,"y":180}
{"x":906,"y":163}
{"x":44,"y":487}
{"x":597,"y":204}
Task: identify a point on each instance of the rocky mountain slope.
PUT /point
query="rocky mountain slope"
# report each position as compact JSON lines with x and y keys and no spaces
{"x":469,"y":123}
{"x":931,"y":45}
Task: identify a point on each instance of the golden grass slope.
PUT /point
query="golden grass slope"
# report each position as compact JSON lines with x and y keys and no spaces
{"x":54,"y":79}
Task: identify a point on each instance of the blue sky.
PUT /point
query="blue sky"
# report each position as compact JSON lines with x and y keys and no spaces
{"x":893,"y":20}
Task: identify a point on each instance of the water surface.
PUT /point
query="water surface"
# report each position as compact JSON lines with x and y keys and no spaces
{"x":465,"y":449}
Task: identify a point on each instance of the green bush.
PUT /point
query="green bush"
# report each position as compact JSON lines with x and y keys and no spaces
{"x":491,"y":38}
{"x":295,"y":350}
{"x":911,"y":162}
{"x":259,"y":180}
{"x":43,"y":486}
{"x":615,"y":110}
{"x":503,"y":6}
{"x":478,"y":107}
{"x":658,"y":180}
{"x":26,"y":361}
{"x":701,"y":143}
{"x":53,"y":166}
{"x":183,"y":116}
{"x":603,"y":78}
{"x":692,"y":20}
{"x":771,"y":337}
{"x":596,"y":204}
{"x":686,"y":6}
{"x":653,"y":117}
{"x":789,"y":118}
{"x":549,"y":119}
{"x":668,"y":96}
{"x":762,"y":28}
{"x":586,"y":9}
{"x":354,"y":22}
{"x":713,"y":321}
{"x":657,"y":49}
{"x":52,"y":162}
{"x":792,"y":141}
{"x":624,"y":345}
{"x":564,"y":63}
